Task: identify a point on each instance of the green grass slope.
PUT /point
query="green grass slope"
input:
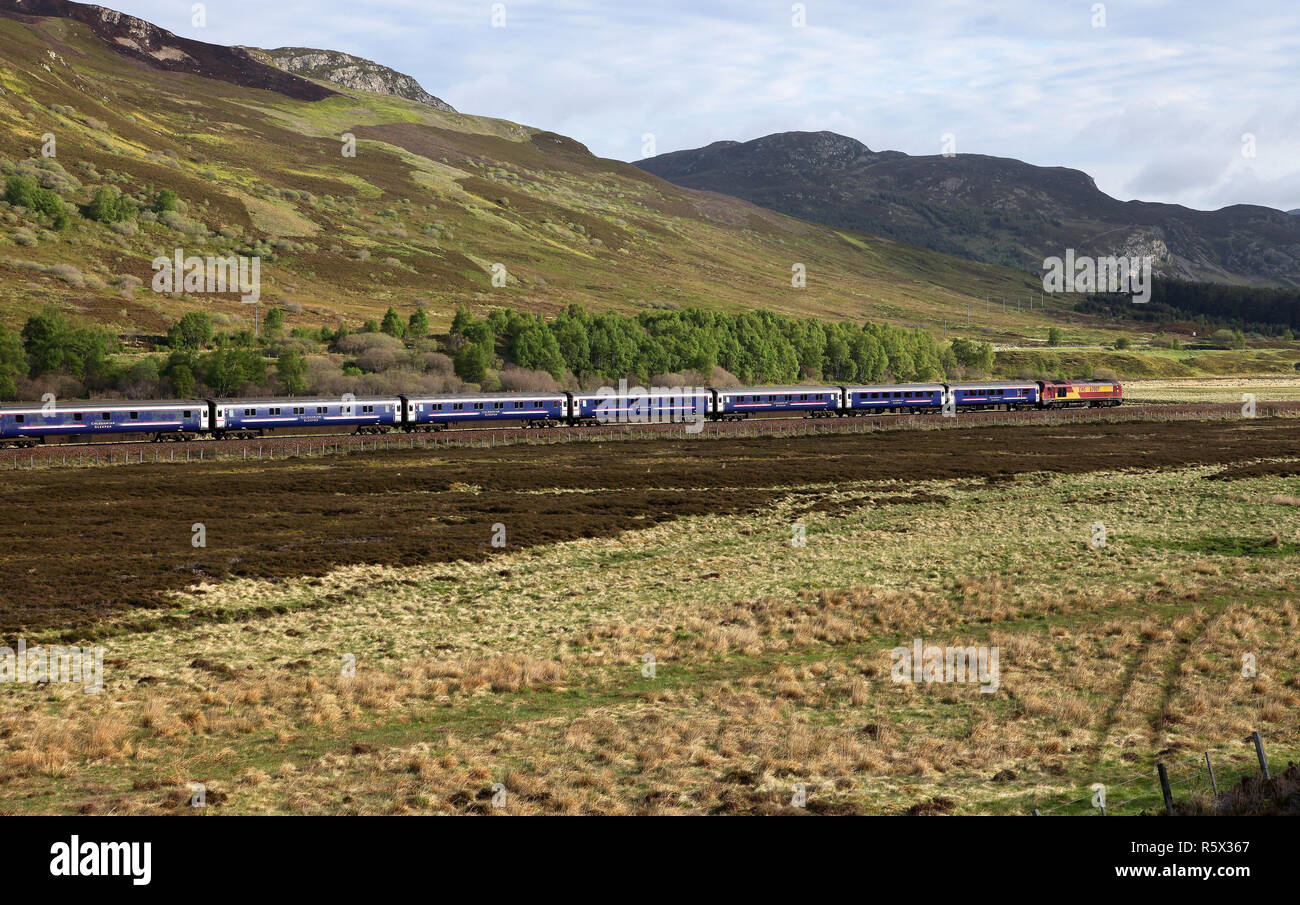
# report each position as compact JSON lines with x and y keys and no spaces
{"x":430,"y":202}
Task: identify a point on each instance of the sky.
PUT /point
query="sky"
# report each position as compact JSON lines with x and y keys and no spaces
{"x":1193,"y":102}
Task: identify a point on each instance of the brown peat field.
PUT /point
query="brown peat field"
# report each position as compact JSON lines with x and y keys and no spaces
{"x":648,"y":634}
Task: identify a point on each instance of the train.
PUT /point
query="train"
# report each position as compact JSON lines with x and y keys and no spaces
{"x":221,"y":419}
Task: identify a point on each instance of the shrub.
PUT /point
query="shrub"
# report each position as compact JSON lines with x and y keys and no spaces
{"x":192,"y":331}
{"x":472,"y":362}
{"x":377,"y":360}
{"x":356,"y":343}
{"x":166,"y":201}
{"x":23,"y":191}
{"x":109,"y":205}
{"x":973,"y":354}
{"x":181,"y":223}
{"x":291,"y":368}
{"x":523,"y":379}
{"x":392,"y":324}
{"x":274,"y":322}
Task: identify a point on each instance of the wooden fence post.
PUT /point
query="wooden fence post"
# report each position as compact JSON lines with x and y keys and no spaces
{"x":1259,"y":752}
{"x":1209,"y":766}
{"x":1164,"y":788}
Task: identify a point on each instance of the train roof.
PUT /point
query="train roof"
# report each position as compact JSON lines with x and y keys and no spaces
{"x":103,"y":404}
{"x":891,"y":387}
{"x":803,"y":388}
{"x":606,"y":392}
{"x":302,"y":400}
{"x":987,"y":384}
{"x":1113,"y":380}
{"x":504,"y":394}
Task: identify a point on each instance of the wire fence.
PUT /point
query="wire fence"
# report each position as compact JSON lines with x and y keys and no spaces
{"x":1190,"y":783}
{"x":271,"y":447}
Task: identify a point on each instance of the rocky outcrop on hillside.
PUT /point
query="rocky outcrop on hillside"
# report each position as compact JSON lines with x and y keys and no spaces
{"x":159,"y":48}
{"x":354,"y":73}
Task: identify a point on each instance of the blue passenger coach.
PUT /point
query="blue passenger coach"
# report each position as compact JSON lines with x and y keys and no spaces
{"x":27,"y":425}
{"x":426,"y":413}
{"x":995,"y":394}
{"x":660,"y":405}
{"x":902,"y":397}
{"x":740,"y":402}
{"x":252,"y":417}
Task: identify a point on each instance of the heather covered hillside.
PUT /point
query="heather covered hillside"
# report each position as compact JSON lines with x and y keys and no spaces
{"x":256,"y":161}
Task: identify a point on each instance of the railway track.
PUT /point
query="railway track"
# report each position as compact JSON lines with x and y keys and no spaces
{"x":72,"y":454}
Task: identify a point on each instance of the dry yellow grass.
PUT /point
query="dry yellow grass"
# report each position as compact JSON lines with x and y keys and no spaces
{"x":708,"y":665}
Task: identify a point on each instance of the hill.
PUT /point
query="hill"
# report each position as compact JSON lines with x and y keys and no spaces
{"x":991,"y":209}
{"x":429,"y":203}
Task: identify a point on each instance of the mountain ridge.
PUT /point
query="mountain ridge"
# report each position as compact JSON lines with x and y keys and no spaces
{"x":991,"y":209}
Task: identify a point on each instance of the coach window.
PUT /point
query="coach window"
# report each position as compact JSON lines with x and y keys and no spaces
{"x":19,"y":419}
{"x":77,"y":416}
{"x":108,"y":415}
{"x":135,"y":415}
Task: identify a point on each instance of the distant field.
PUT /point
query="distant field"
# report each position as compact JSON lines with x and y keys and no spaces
{"x":1145,"y":363}
{"x":521,"y":677}
{"x":1265,"y":389}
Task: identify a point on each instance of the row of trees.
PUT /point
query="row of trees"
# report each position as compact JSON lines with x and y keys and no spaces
{"x":757,"y":347}
{"x":576,"y":348}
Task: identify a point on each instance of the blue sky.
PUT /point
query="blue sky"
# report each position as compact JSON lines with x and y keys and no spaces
{"x":1157,"y":103}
